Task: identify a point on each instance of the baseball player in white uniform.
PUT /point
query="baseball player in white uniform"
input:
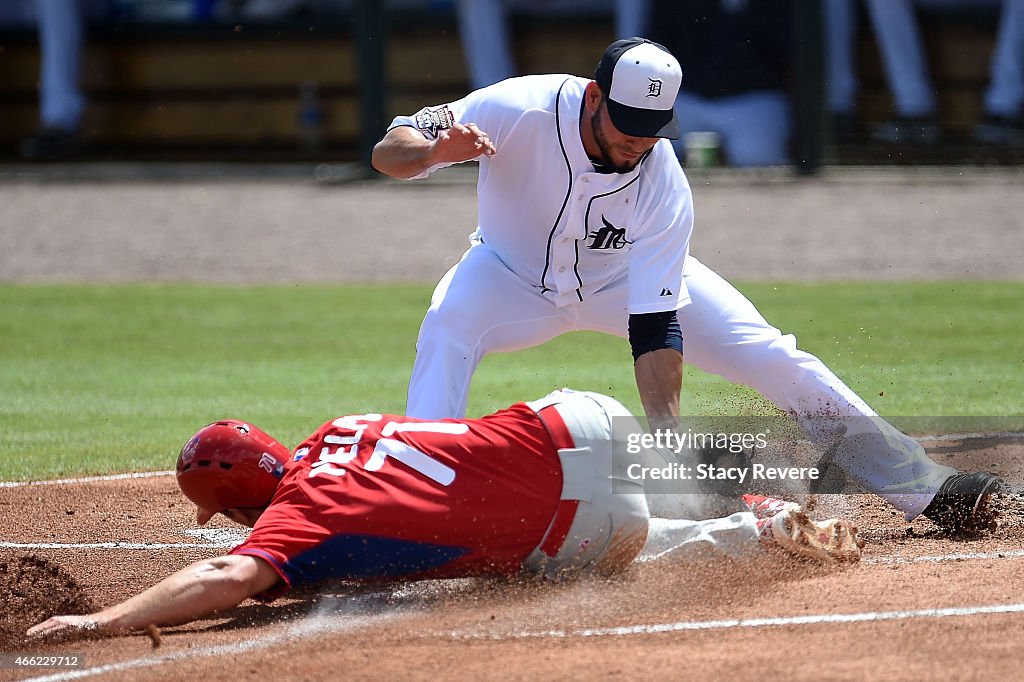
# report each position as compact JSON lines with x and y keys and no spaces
{"x":585,"y":219}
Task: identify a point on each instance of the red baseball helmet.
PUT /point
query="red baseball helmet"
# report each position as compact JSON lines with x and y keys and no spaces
{"x":230,"y":464}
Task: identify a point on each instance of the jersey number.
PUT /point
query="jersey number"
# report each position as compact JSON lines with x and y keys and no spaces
{"x":348,"y":446}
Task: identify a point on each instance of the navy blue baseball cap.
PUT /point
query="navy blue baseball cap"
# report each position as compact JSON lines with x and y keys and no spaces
{"x":640,"y":80}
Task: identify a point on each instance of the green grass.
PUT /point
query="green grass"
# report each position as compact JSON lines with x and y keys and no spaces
{"x":100,"y":379}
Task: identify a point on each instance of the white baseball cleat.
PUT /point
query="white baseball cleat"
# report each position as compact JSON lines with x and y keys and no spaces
{"x":830,"y":541}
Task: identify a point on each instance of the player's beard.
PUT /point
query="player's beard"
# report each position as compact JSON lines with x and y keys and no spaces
{"x":605,"y":148}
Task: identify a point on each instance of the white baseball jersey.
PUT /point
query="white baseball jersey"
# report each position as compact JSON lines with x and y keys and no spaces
{"x":553,"y":219}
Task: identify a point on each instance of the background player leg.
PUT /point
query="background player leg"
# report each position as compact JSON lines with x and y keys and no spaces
{"x":754,"y":127}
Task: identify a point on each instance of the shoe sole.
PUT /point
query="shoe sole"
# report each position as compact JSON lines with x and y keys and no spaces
{"x":992,"y":486}
{"x":982,"y":518}
{"x":957,"y":518}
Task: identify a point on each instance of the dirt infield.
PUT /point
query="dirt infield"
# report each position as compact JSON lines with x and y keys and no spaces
{"x":919,"y":605}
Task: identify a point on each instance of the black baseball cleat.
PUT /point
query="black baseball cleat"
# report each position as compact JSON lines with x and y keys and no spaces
{"x":961,"y":505}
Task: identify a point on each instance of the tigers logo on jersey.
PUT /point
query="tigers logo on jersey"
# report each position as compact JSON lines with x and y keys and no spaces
{"x":608,"y":237}
{"x":432,"y":120}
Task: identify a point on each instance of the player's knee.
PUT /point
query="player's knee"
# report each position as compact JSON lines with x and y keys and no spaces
{"x":623,"y":547}
{"x":447,"y":323}
{"x":781,"y":356}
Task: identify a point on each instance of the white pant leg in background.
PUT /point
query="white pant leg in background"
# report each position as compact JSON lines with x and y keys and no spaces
{"x":61,"y":29}
{"x":841,"y":70}
{"x":478,"y":307}
{"x":723,"y":333}
{"x":1005,"y":94}
{"x":631,"y":18}
{"x":906,"y":66}
{"x":754,"y":127}
{"x":483,"y":29}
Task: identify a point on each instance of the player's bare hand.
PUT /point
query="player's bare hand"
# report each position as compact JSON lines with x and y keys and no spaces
{"x":65,"y":626}
{"x":462,"y":143}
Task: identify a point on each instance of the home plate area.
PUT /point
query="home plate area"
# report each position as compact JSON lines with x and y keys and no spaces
{"x":919,"y":604}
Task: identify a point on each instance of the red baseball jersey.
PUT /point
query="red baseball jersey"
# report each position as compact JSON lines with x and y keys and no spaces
{"x":383,"y":497}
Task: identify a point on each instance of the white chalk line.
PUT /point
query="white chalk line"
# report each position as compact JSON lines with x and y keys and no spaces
{"x":999,"y":435}
{"x":216,"y":538}
{"x":683,"y":626}
{"x":343,"y":621}
{"x":87,"y":479}
{"x":966,"y":556}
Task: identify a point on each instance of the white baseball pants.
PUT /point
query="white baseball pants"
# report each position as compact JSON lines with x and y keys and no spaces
{"x":481,"y":307}
{"x":612,"y":523}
